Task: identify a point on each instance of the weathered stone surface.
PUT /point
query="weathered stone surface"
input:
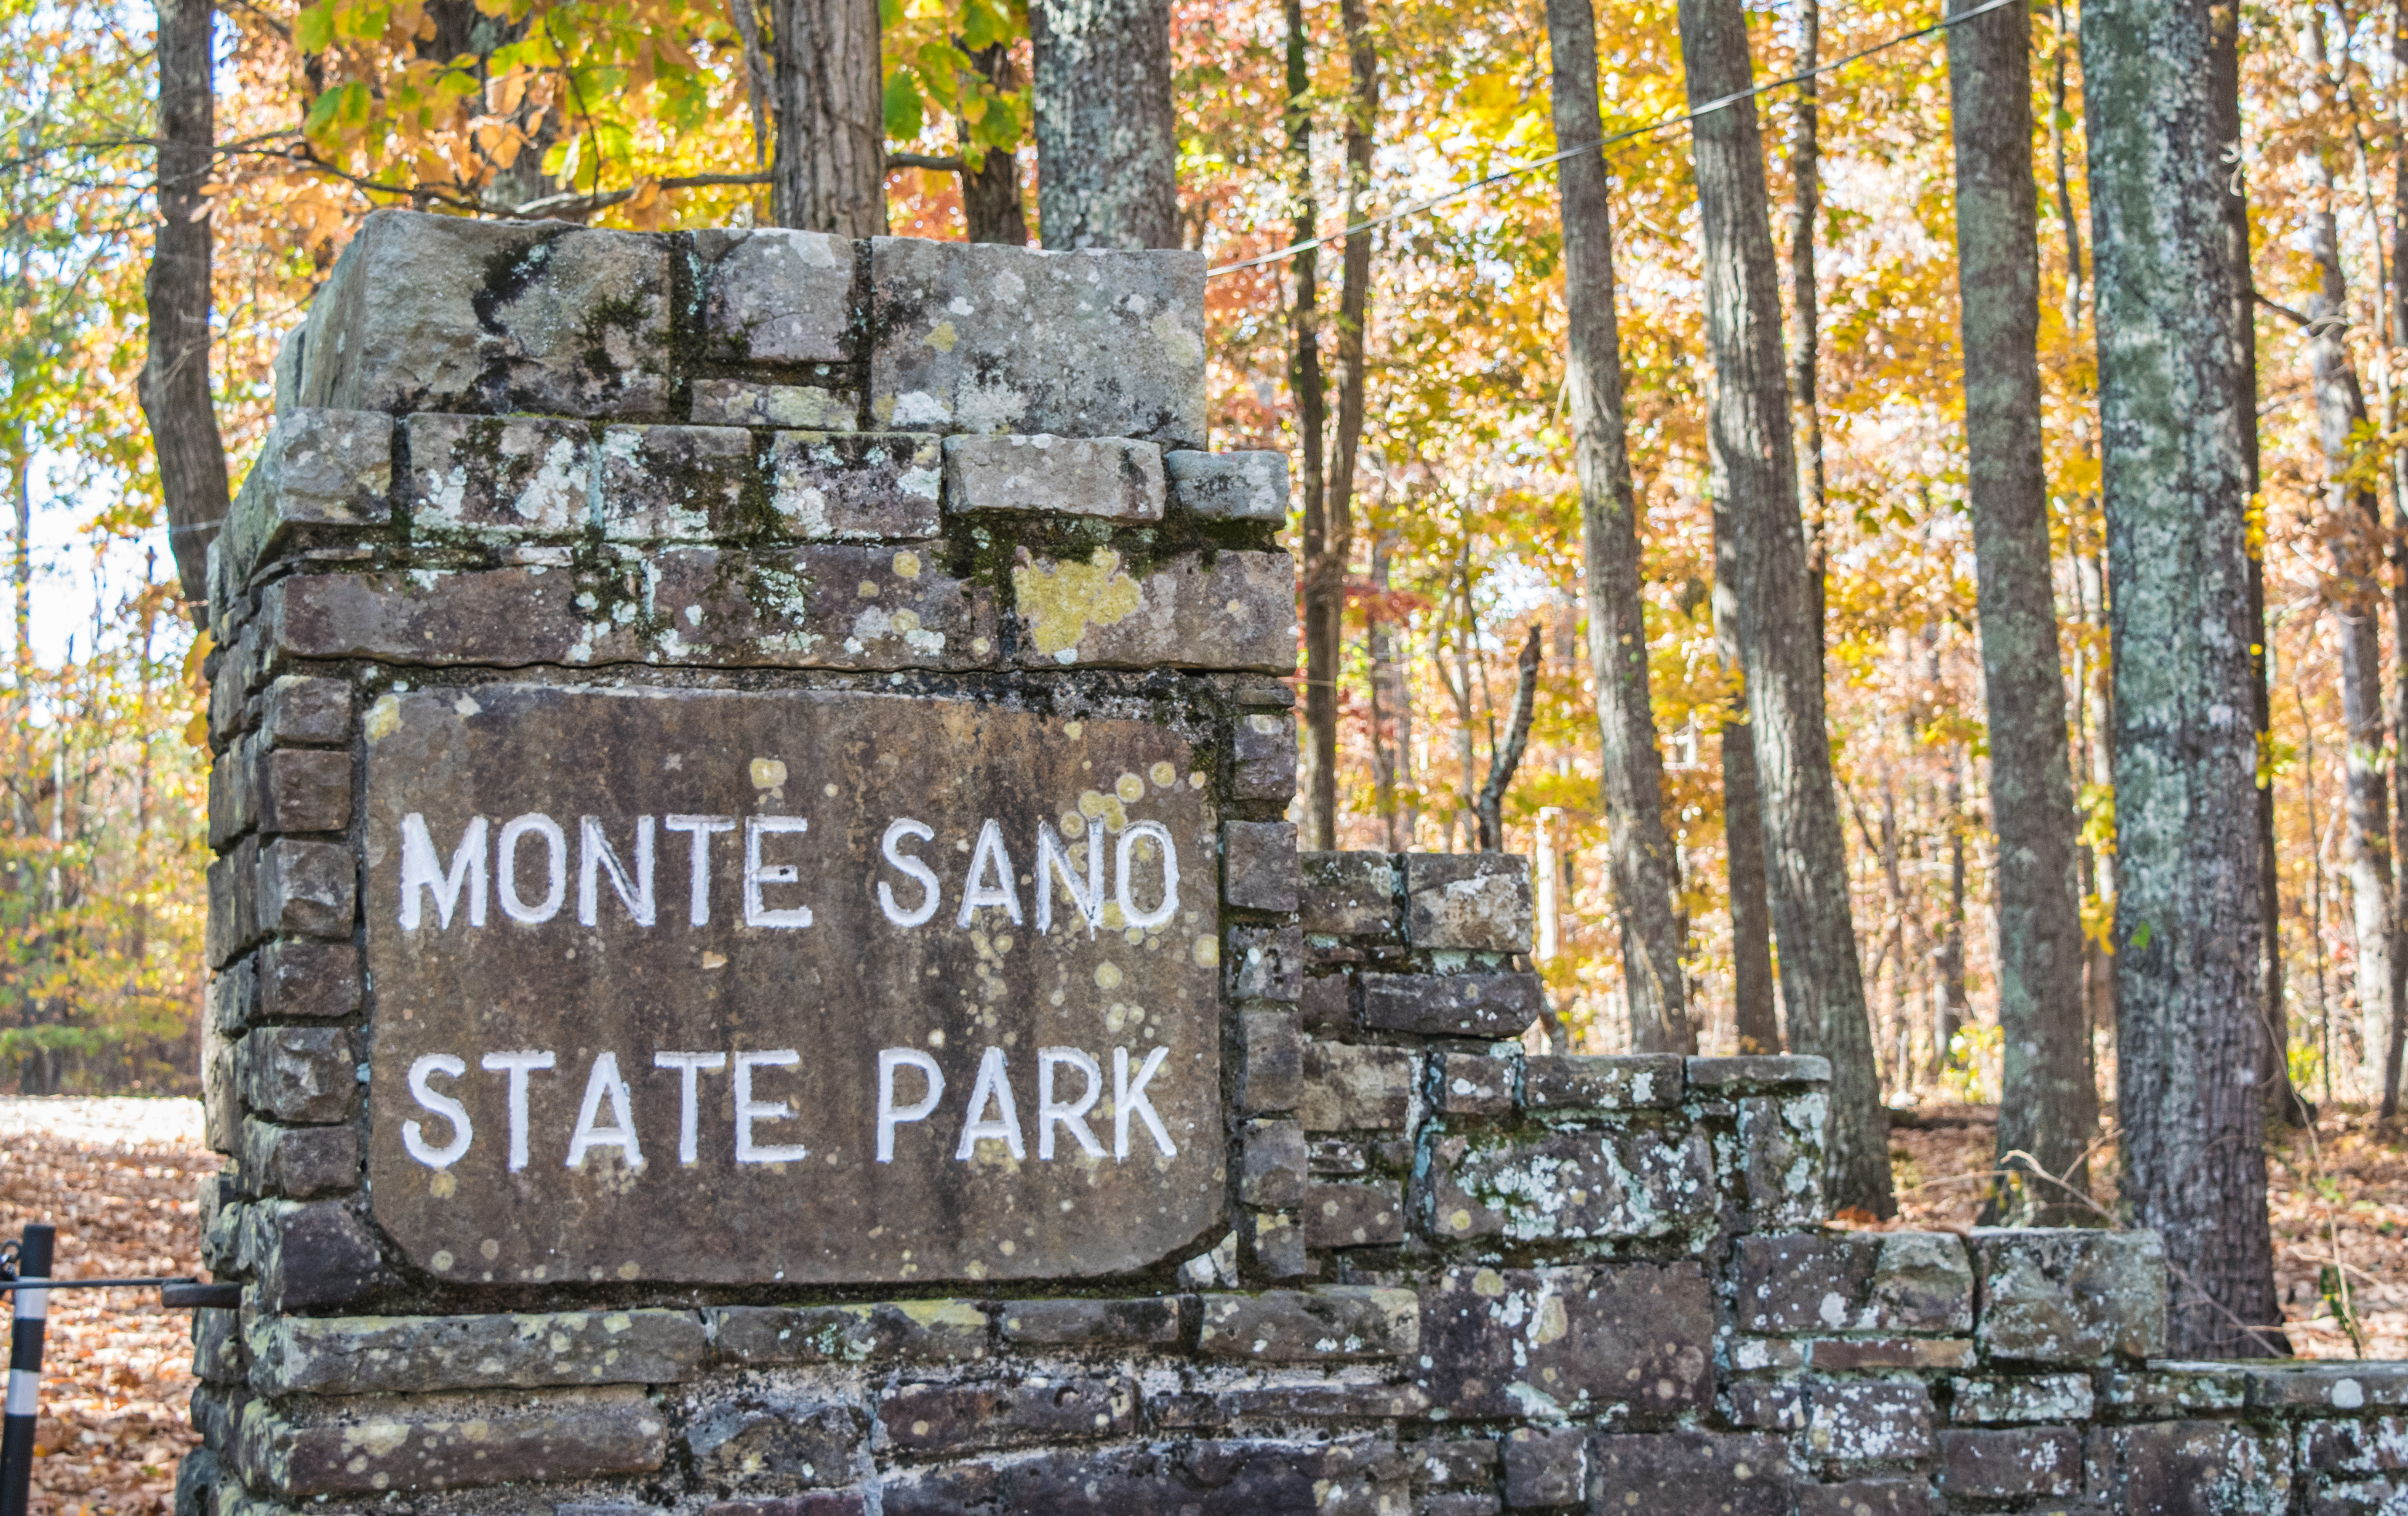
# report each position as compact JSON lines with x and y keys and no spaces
{"x":218,"y":1354}
{"x":299,"y":1073}
{"x":1331,"y":1324}
{"x":1275,"y":1244}
{"x":300,"y":1163}
{"x":1749,"y":1355}
{"x":234,"y":793}
{"x":1235,"y":611}
{"x":302,"y":712}
{"x":304,"y":981}
{"x":2188,"y":1466}
{"x":814,"y":1442}
{"x":1453,"y":1462}
{"x":1570,"y":1185}
{"x":316,"y":468}
{"x":2370,"y":1497}
{"x":1259,"y":866}
{"x":1328,"y":1004}
{"x":2041,"y":1461}
{"x":808,"y":408}
{"x":1354,"y":1215}
{"x":221,"y":1100}
{"x":676,"y":484}
{"x":1867,"y":1422}
{"x":1473,"y":1084}
{"x":1575,"y":1081}
{"x":378,"y":1443}
{"x":930,"y":1420}
{"x":309,"y":1255}
{"x":856,"y":487}
{"x":1779,"y":1139}
{"x":307,"y":889}
{"x":1458,"y":1503}
{"x":2037,"y":1398}
{"x":1896,"y":1281}
{"x":2061,"y":1296}
{"x":1265,"y":963}
{"x":1756,"y":1070}
{"x":234,"y":903}
{"x":1228,"y":486}
{"x":1479,"y":901}
{"x":911,"y":1332}
{"x":1350,"y":893}
{"x":1146,"y":1322}
{"x":1767,"y":1407}
{"x":1353,"y":1478}
{"x":1667,"y":1471}
{"x":1348,"y":1087}
{"x":1265,"y":757}
{"x":1273,"y":1073}
{"x":809,"y":934}
{"x":517,"y":476}
{"x":412,"y":1354}
{"x":984,"y":337}
{"x":2344,"y":1387}
{"x":1273,"y":1166}
{"x":814,"y":608}
{"x":1636,"y":1338}
{"x":771,"y":295}
{"x":428,"y":312}
{"x":1321,"y":1401}
{"x":1111,"y":477}
{"x":2165,"y":1390}
{"x":1453,"y":1005}
{"x":1546,"y":1468}
{"x":2352,"y":1447}
{"x":303,"y":790}
{"x":1856,"y":1355}
{"x":1868,"y":1497}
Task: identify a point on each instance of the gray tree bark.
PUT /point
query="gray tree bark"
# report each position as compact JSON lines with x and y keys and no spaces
{"x":173,"y":385}
{"x":2048,"y":1104}
{"x":1107,"y":143}
{"x":1632,"y":786}
{"x":1317,"y":770}
{"x":992,"y":210}
{"x":1780,"y":645}
{"x":1805,"y":297}
{"x":830,"y":174}
{"x":2400,"y":484}
{"x":2190,"y":916}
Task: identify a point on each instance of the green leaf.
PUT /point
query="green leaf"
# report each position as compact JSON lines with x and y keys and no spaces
{"x":361,"y":24}
{"x":904,"y":113}
{"x":313,"y":29}
{"x":2141,"y":934}
{"x":342,"y":108}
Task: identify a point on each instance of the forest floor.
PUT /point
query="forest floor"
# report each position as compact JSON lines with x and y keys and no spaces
{"x":117,"y":1176}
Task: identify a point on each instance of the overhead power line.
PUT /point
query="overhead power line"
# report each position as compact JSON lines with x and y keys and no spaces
{"x":1516,"y":170}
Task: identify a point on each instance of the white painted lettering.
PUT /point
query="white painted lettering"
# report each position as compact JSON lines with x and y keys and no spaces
{"x":756,"y":873}
{"x":1129,"y":1098}
{"x":749,"y":1110}
{"x":1054,"y":862}
{"x":595,"y":856}
{"x":602,"y":1084}
{"x":891,"y":1115}
{"x":690,"y":1066}
{"x":698,"y":907}
{"x":557,"y":868}
{"x":1122,"y":880}
{"x":422,"y":867}
{"x":911,"y":869}
{"x":996,"y":1090}
{"x":413,"y":1139}
{"x":518,"y":1066}
{"x":991,"y":859}
{"x":1052,"y":1112}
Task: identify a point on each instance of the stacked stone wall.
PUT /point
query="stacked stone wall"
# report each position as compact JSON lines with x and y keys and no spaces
{"x":1431,"y":1273}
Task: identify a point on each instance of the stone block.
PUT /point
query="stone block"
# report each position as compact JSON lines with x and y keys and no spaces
{"x":1271,"y":1164}
{"x":2060,"y":1296}
{"x":2036,"y":1397}
{"x":1264,"y":758}
{"x":2166,"y":1391}
{"x":1752,"y":1355}
{"x":1868,"y":1420}
{"x":1453,"y":1462}
{"x":1351,"y":895}
{"x":815,"y":1442}
{"x":316,"y":468}
{"x":304,"y":711}
{"x":806,"y":408}
{"x":1275,"y":1245}
{"x":1758,"y":1071}
{"x":234,"y":793}
{"x":2328,"y":1387}
{"x":2185,"y":1466}
{"x":232,"y":997}
{"x":1354,"y":1215}
{"x":771,"y":295}
{"x":1749,"y":1474}
{"x":300,"y":1163}
{"x":1273,"y":1069}
{"x":1235,"y":611}
{"x":1354,"y":1476}
{"x":306,"y":888}
{"x":986,"y":337}
{"x":302,"y":1075}
{"x":1767,"y":1407}
{"x":1228,"y":486}
{"x":1259,"y":866}
{"x":1349,"y":1087}
{"x":1473,"y":1084}
{"x":676,"y":484}
{"x":1633,"y":1339}
{"x":1458,"y":1503}
{"x":1453,"y":1005}
{"x":1892,"y":1281}
{"x":218,"y":1354}
{"x":1580,"y":1083}
{"x":2370,"y":1497}
{"x":442,"y":313}
{"x":309,"y":1256}
{"x":304,"y":790}
{"x":376,"y":1445}
{"x":1321,"y":1401}
{"x":1869,"y":1498}
{"x":1780,"y":1141}
{"x":300,"y":979}
{"x":230,"y":707}
{"x":933,"y":1419}
{"x":1328,"y":1003}
{"x":1265,"y":963}
{"x":1145,"y":1322}
{"x":1335,"y":1323}
{"x":1475,"y":901}
{"x":221,"y":1098}
{"x":826,"y":486}
{"x":1570,"y":1185}
{"x":417,"y":1354}
{"x":519,"y":476}
{"x":234,"y":903}
{"x":1112,"y":478}
{"x":2352,"y":1447}
{"x":1862,"y":1354}
{"x":1546,"y":1468}
{"x":910,"y":1331}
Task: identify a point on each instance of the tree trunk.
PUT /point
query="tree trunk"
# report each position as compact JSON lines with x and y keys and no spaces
{"x":1317,"y":771}
{"x":1490,"y":804}
{"x":1952,"y":1009}
{"x":174,"y":386}
{"x":1107,"y":143}
{"x":2190,"y":913}
{"x":992,"y":210}
{"x":1755,"y":1014}
{"x":2399,"y":480}
{"x":830,"y":170}
{"x":1805,"y":299}
{"x":1781,"y":644}
{"x":2048,"y":1102}
{"x":459,"y":28}
{"x":1378,"y":648}
{"x":1632,"y":784}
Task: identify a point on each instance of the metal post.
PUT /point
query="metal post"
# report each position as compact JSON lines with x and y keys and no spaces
{"x":24,"y":1371}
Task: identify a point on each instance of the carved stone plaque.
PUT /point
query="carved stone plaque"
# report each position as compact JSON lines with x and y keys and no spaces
{"x":718,"y":986}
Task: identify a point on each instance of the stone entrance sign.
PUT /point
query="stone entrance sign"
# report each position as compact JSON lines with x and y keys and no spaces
{"x":801,"y":985}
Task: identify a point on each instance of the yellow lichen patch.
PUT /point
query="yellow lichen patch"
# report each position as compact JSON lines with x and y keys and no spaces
{"x":1164,"y":774}
{"x":1061,"y":600}
{"x":907,"y":564}
{"x":384,"y":718}
{"x":1130,"y":788}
